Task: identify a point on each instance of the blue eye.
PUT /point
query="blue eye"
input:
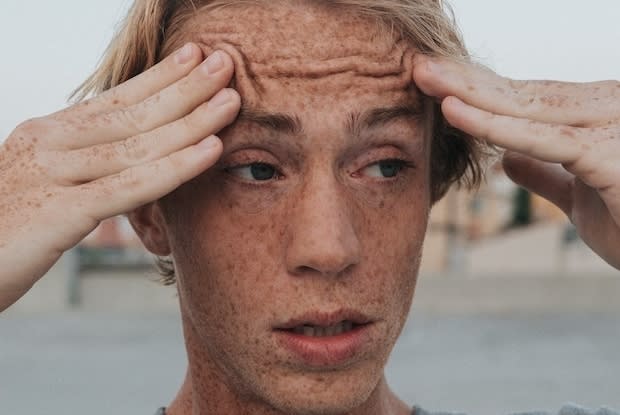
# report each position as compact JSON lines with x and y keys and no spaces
{"x":255,"y":172}
{"x":385,"y":169}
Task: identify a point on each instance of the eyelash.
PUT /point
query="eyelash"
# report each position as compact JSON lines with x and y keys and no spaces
{"x":403,"y":165}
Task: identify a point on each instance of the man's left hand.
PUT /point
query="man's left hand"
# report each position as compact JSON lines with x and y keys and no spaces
{"x":563,"y":139}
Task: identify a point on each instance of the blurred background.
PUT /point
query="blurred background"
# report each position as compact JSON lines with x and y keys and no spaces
{"x":512,"y":311}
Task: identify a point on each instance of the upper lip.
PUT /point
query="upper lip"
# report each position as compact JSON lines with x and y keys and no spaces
{"x":325,"y":319}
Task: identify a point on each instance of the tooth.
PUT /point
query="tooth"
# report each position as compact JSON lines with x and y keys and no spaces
{"x":348,"y":326}
{"x":329,"y":331}
{"x":319,"y":331}
{"x":338,"y":328}
{"x":299,"y":330}
{"x":309,"y":331}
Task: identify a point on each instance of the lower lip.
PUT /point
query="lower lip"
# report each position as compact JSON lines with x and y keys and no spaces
{"x":325,"y":351}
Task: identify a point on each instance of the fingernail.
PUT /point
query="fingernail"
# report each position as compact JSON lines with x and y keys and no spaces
{"x":209,"y":142}
{"x":185,"y":54}
{"x":221,"y":98}
{"x":214,"y":63}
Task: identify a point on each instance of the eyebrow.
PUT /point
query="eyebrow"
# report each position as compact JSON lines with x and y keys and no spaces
{"x":356,"y":121}
{"x":282,"y":123}
{"x":380,"y":116}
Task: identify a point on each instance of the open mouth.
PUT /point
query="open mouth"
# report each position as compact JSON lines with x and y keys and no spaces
{"x":309,"y":330}
{"x":318,"y":339}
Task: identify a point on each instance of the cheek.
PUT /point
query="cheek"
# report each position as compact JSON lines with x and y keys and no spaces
{"x":393,"y":238}
{"x":223,"y":255}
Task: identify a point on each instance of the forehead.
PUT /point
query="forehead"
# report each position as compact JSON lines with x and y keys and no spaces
{"x":307,"y":51}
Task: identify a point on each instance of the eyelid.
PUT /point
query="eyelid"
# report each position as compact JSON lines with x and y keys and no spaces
{"x":405,"y":164}
{"x":232,"y":167}
{"x":377,"y":154}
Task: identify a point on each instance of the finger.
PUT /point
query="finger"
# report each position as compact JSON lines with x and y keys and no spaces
{"x":547,"y":142}
{"x":91,"y":163}
{"x":170,"y":104}
{"x":137,"y":186}
{"x":548,"y":180}
{"x":576,"y":104}
{"x":174,"y":67}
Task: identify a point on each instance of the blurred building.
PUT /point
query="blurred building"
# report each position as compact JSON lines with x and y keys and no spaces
{"x":113,"y":244}
{"x":462,"y":219}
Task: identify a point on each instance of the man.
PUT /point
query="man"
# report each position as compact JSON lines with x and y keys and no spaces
{"x":296,"y":254}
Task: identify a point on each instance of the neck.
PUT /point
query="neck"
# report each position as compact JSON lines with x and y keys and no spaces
{"x":206,"y":391}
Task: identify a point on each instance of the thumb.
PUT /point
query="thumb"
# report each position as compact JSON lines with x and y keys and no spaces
{"x":548,"y":180}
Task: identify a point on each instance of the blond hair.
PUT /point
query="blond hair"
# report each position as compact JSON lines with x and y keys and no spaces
{"x":152,"y":26}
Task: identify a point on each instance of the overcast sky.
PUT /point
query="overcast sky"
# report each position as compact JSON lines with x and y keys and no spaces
{"x":49,"y":47}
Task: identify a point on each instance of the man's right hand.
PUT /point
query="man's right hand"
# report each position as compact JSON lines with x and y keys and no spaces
{"x":61,"y":175}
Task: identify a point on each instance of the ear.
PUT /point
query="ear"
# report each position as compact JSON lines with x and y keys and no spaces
{"x":148,"y":222}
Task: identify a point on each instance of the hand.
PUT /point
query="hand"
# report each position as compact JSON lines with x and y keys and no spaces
{"x":563,"y":139}
{"x":62,"y":174}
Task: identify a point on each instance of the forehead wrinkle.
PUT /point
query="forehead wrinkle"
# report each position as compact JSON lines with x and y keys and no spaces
{"x":276,"y":42}
{"x":271,"y":31}
{"x":253,"y":81}
{"x":392,"y":62}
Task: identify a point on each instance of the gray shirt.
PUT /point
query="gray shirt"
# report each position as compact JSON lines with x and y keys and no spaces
{"x":570,"y":409}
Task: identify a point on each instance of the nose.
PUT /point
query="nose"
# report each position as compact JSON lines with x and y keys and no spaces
{"x":322,"y":238}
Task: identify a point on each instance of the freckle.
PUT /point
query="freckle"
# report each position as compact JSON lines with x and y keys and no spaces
{"x":115,"y":102}
{"x":531,"y":101}
{"x":471,"y":88}
{"x":500,"y":90}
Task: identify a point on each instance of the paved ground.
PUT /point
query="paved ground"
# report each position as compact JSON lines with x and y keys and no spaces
{"x":102,"y":364}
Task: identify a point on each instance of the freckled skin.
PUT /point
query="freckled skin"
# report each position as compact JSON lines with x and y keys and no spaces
{"x":324,"y":236}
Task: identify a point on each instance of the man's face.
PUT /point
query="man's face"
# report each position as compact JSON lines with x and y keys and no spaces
{"x":315,"y":213}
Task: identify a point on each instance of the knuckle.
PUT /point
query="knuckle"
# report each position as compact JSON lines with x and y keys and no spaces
{"x":132,"y":150}
{"x":518,"y":86}
{"x":32,"y":128}
{"x":186,"y":86}
{"x":173,"y":166}
{"x":115,"y":97}
{"x":128,"y":179}
{"x":525,"y":93}
{"x":132,"y":118}
{"x":192,"y":122}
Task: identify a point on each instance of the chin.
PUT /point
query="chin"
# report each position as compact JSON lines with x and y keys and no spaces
{"x":325,"y":393}
{"x":319,"y":405}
